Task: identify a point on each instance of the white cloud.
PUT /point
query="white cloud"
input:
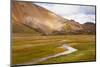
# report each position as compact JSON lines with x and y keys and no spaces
{"x":82,"y":18}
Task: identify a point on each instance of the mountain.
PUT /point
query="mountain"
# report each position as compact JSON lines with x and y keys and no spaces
{"x":30,"y":18}
{"x":36,"y":17}
{"x":72,"y":27}
{"x":89,"y":28}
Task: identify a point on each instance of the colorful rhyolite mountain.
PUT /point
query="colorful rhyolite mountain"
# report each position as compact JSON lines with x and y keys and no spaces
{"x":31,"y":18}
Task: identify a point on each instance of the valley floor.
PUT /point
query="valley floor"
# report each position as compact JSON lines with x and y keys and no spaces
{"x":27,"y":48}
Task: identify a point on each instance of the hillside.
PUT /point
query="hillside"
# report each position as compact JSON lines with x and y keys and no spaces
{"x":89,"y":28}
{"x":23,"y":29}
{"x":36,"y":17}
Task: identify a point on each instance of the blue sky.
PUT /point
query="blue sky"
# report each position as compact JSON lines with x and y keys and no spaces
{"x":80,"y":14}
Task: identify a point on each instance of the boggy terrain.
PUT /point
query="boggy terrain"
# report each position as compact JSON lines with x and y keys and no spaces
{"x":27,"y":49}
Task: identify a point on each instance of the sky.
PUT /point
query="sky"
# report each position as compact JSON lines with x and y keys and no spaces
{"x":80,"y":14}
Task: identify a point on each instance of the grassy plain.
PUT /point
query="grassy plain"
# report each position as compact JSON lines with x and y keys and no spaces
{"x":27,"y":48}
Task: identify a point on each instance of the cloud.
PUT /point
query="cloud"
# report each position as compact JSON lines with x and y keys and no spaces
{"x":82,"y":18}
{"x":88,"y":9}
{"x":60,"y":9}
{"x":81,"y":14}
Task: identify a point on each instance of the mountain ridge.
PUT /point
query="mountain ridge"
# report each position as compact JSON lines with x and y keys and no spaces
{"x":42,"y":20}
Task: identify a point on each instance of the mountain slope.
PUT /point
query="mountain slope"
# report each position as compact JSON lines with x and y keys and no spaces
{"x":36,"y":17}
{"x":89,"y":28}
{"x":23,"y":29}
